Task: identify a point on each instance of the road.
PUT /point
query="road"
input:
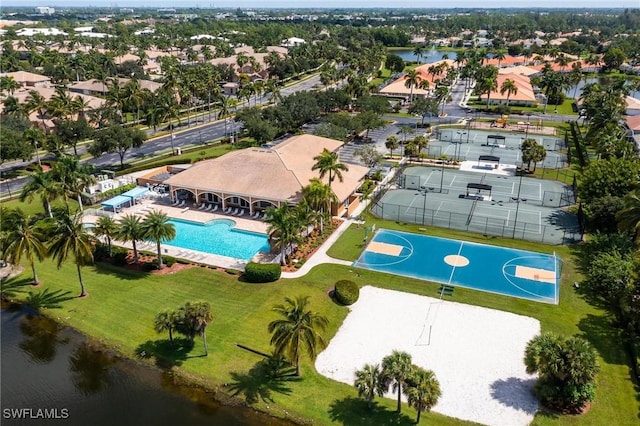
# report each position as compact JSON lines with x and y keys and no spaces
{"x":197,"y":133}
{"x":202,"y":132}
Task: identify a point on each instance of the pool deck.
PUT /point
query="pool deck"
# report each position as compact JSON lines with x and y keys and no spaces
{"x":194,"y":215}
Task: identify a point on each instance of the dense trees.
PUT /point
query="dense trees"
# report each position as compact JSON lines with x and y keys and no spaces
{"x":117,"y":139}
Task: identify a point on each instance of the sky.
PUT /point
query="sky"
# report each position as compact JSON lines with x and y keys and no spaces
{"x":353,"y":4}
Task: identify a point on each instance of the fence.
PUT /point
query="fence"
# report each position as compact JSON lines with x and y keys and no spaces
{"x":550,"y":234}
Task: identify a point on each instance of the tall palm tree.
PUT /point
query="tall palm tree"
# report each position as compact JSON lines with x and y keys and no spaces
{"x":23,"y":237}
{"x":508,"y":86}
{"x":106,"y":227}
{"x":130,"y":229}
{"x":369,"y":383}
{"x":396,"y":368}
{"x":41,"y":183}
{"x":319,"y":197}
{"x":423,"y":391}
{"x":412,"y":80}
{"x":629,"y":217}
{"x":297,"y":330}
{"x":327,"y":162}
{"x":36,"y":138}
{"x":70,"y":237}
{"x":417,"y":52}
{"x":157,"y":227}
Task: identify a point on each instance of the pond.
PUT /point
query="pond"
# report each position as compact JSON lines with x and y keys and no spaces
{"x":428,"y":56}
{"x":49,"y":367}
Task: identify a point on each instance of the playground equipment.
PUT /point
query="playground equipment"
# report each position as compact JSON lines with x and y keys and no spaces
{"x":500,"y":122}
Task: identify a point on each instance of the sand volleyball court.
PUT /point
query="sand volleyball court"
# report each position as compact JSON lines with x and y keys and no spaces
{"x":476,"y":353}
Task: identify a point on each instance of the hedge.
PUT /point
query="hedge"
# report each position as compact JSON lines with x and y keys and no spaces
{"x":262,"y":272}
{"x":346,"y":292}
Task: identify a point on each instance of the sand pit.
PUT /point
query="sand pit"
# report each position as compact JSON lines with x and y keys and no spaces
{"x":476,"y":353}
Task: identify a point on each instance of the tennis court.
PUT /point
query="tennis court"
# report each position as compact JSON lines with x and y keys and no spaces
{"x":508,"y":206}
{"x":505,"y":271}
{"x":470,"y":144}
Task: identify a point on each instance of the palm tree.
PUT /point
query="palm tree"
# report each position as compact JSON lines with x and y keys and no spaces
{"x":319,"y":197}
{"x":369,"y":383}
{"x":130,"y":229}
{"x":508,"y":86}
{"x":327,"y":162}
{"x":157,"y":227}
{"x":297,"y":330}
{"x":412,"y":80}
{"x":566,"y":369}
{"x":35,"y":137}
{"x":106,"y":227}
{"x":391,"y":144}
{"x":73,"y":176}
{"x":629,"y":217}
{"x":165,"y":321}
{"x":417,"y":51}
{"x":396,"y":369}
{"x":41,"y":183}
{"x":283,"y":229}
{"x":70,"y":237}
{"x":23,"y":237}
{"x":193,"y":319}
{"x":423,"y":391}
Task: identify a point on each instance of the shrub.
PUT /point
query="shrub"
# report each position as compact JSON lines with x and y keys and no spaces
{"x":346,"y":292}
{"x":168,"y":260}
{"x":119,"y":257}
{"x":231,"y":271}
{"x":262,"y":272}
{"x":100,"y":252}
{"x":150,"y":266}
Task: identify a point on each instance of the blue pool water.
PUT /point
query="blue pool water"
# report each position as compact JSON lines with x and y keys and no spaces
{"x":218,"y":237}
{"x":501,"y":270}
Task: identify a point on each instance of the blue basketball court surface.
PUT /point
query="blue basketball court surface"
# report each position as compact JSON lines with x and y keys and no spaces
{"x":506,"y":271}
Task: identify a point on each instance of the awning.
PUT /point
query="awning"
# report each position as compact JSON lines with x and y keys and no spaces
{"x":116,"y":202}
{"x":136,"y":192}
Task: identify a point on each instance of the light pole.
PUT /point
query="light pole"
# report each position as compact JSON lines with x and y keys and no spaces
{"x":441,"y":175}
{"x":423,"y":192}
{"x":515,"y":220}
{"x":526,"y":136}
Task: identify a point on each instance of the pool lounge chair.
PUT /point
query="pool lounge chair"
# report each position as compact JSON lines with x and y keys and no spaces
{"x":207,"y":208}
{"x":242,"y":212}
{"x":235,"y":213}
{"x":182,"y":203}
{"x":176,"y":203}
{"x":215,"y":207}
{"x":227,"y":210}
{"x":202,"y":206}
{"x":256,"y":215}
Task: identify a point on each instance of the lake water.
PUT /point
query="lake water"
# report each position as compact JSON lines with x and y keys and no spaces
{"x":428,"y":56}
{"x":46,"y":366}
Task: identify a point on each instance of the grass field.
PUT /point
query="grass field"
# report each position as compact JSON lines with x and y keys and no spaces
{"x":122,"y":304}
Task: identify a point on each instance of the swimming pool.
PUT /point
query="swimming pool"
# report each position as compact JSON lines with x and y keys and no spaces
{"x":218,"y":237}
{"x":510,"y":272}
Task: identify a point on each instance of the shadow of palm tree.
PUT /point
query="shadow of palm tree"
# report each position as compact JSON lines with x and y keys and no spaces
{"x":265,"y":378}
{"x":355,"y":411}
{"x":41,"y":338}
{"x":47,"y":299}
{"x":167,"y":354}
{"x":120,"y":272}
{"x":516,"y":393}
{"x":90,"y":369}
{"x":10,"y":288}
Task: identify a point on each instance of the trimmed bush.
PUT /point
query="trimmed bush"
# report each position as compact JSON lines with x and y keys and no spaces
{"x":168,"y":261}
{"x":262,"y":272}
{"x":346,"y":292}
{"x":119,"y":257}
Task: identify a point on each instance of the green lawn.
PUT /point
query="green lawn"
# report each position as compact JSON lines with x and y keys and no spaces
{"x":122,"y":304}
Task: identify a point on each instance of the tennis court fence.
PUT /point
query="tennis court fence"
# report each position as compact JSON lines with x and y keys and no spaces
{"x":550,"y":234}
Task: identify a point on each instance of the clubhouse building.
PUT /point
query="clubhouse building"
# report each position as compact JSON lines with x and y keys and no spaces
{"x":255,"y":179}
